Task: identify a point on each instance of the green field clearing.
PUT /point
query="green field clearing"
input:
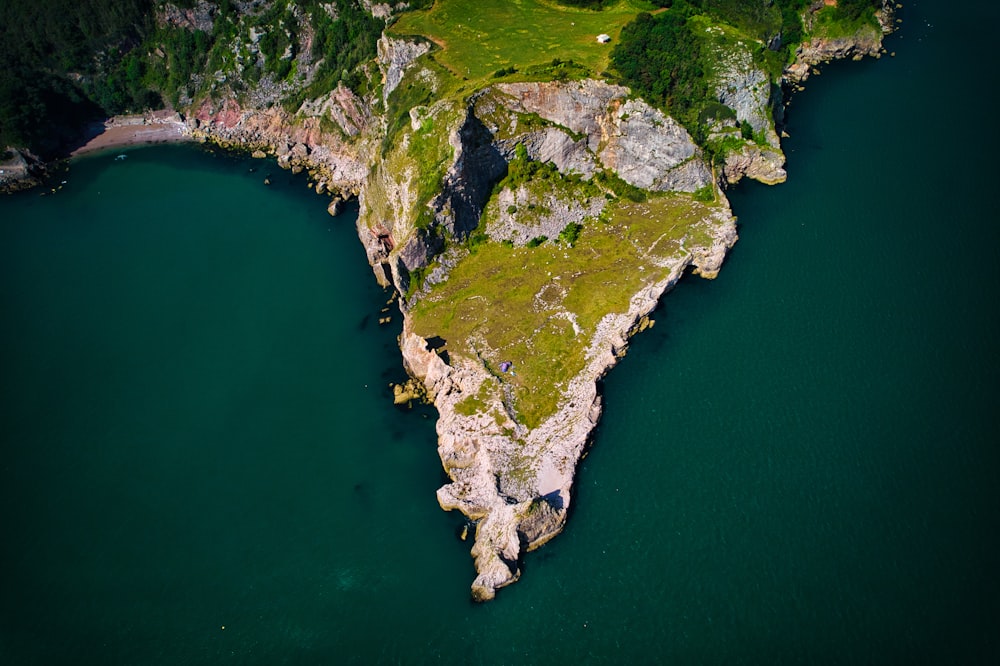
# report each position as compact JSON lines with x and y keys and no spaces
{"x":479,"y":37}
{"x":539,"y":307}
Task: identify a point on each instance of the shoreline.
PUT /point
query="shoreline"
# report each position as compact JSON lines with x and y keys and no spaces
{"x":128,"y":131}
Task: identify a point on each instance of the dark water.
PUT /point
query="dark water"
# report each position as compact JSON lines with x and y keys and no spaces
{"x":799,"y":464}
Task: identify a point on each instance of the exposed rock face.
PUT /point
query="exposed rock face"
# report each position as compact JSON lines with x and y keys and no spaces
{"x":519,"y":508}
{"x":585,"y":126}
{"x":394,"y":57}
{"x":764,"y":165}
{"x":651,"y":150}
{"x":815,"y":51}
{"x":522,"y":215}
{"x":747,"y":90}
{"x":467,"y":185}
{"x":200,"y":17}
{"x":20,"y":170}
{"x":297,"y":143}
{"x":343,"y":107}
{"x":645,"y":147}
{"x":576,"y":106}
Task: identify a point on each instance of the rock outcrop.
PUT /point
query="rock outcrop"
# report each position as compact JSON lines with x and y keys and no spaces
{"x":394,"y":57}
{"x":427,"y":186}
{"x":747,"y":91}
{"x":299,"y":143}
{"x":516,"y":482}
{"x":20,"y":170}
{"x":818,"y":49}
{"x":642,"y":145}
{"x":518,"y":485}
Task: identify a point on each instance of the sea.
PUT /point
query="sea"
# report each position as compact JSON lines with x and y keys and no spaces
{"x":200,"y":461}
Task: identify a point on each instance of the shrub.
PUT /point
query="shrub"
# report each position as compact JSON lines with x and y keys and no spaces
{"x":706,"y":193}
{"x":570,"y":233}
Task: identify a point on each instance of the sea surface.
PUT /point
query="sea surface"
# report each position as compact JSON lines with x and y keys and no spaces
{"x":200,"y":461}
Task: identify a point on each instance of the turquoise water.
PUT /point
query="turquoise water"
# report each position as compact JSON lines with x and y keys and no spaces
{"x":798,"y":464}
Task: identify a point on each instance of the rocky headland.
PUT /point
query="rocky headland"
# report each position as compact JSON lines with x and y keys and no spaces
{"x":529,"y":227}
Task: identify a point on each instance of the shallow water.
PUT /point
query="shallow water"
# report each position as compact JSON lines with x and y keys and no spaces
{"x":797,"y":464}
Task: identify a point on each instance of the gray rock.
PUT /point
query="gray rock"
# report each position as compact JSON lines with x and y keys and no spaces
{"x":394,"y":57}
{"x":651,"y":150}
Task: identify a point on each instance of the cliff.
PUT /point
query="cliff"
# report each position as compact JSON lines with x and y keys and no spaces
{"x":512,"y":461}
{"x":529,"y":225}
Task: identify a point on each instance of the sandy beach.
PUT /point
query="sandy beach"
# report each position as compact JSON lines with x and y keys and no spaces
{"x":124,"y":131}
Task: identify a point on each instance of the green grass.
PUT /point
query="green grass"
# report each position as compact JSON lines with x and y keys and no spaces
{"x":479,"y":37}
{"x":538,"y":307}
{"x":831,"y":26}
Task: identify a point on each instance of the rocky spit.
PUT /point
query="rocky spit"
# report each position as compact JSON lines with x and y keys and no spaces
{"x":515,"y":514}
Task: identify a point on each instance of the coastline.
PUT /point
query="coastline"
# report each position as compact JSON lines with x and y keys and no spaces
{"x":493,"y":481}
{"x":127,"y":131}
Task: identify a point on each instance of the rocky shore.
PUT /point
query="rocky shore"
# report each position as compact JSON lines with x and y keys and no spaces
{"x":514,"y":482}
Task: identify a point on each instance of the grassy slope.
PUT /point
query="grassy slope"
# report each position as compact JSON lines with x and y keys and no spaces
{"x":482,"y":36}
{"x":520,"y":304}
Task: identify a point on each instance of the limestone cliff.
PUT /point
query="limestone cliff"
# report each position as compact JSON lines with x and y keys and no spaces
{"x":526,"y":168}
{"x":516,"y":481}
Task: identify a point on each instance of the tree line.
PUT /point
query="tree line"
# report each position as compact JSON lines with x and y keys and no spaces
{"x":66,"y":62}
{"x":661,"y":57}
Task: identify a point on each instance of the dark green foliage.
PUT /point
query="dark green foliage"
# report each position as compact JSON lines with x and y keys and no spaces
{"x":558,"y":70}
{"x":570,"y":233}
{"x":416,"y":279}
{"x":851,"y":10}
{"x":68,"y":61}
{"x":610,"y":181}
{"x":476,"y":238}
{"x":660,"y":58}
{"x":537,"y":240}
{"x":184,"y":52}
{"x":60,"y":59}
{"x":791,"y":23}
{"x":343,"y":44}
{"x":713,"y":110}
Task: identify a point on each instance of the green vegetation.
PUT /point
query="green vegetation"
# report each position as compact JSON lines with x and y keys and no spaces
{"x":69,"y":61}
{"x":542,"y":303}
{"x":474,"y":404}
{"x":344,"y":44}
{"x":570,"y":234}
{"x":847,"y":18}
{"x":43,"y":43}
{"x":661,"y":58}
{"x":480,"y":37}
{"x":668,"y":58}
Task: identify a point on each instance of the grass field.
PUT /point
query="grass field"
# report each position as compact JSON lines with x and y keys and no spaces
{"x":539,"y":306}
{"x":479,"y":37}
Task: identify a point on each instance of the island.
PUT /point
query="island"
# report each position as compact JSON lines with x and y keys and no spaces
{"x":531,"y":177}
